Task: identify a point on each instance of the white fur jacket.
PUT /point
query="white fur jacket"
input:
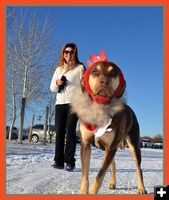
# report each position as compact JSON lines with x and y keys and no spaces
{"x":94,"y":113}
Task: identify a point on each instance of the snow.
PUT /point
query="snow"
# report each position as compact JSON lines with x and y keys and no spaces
{"x":29,"y":171}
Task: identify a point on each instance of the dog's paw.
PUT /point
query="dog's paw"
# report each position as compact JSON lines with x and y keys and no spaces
{"x":84,"y":187}
{"x":92,"y":191}
{"x":84,"y":191}
{"x":112,"y":186}
{"x":142,"y":191}
{"x":94,"y":187}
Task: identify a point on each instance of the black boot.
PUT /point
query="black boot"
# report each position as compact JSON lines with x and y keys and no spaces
{"x":58,"y":166}
{"x":69,"y":167}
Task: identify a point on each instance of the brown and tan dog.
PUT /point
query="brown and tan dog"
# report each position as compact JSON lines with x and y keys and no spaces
{"x":105,"y":121}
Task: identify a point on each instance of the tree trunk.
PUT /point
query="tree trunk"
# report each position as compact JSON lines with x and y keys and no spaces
{"x":49,"y":133}
{"x":45,"y":125}
{"x":51,"y":114}
{"x":22,"y":114}
{"x":10,"y":130}
{"x":13,"y":119}
{"x":30,"y":130}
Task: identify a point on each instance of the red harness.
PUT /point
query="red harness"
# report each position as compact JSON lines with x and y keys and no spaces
{"x":90,"y":127}
{"x":97,"y":98}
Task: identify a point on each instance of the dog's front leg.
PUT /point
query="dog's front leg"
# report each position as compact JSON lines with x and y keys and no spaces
{"x":109,"y":155}
{"x":136,"y":154}
{"x":85,"y":161}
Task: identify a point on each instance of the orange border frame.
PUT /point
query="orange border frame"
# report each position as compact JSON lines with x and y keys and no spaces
{"x":3,"y":4}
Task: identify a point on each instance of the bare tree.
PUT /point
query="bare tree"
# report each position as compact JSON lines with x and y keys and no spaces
{"x":33,"y":51}
{"x":30,"y":130}
{"x":157,"y":138}
{"x":45,"y":125}
{"x":10,"y":15}
{"x":51,"y":115}
{"x":11,"y":88}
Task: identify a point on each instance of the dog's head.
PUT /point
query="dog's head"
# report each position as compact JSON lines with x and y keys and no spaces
{"x":104,"y":79}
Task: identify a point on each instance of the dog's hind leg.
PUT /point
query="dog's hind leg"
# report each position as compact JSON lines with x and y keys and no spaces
{"x":136,"y":154}
{"x":112,"y":182}
{"x":109,"y":155}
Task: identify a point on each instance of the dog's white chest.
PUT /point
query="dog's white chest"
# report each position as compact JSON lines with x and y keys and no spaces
{"x":100,"y":131}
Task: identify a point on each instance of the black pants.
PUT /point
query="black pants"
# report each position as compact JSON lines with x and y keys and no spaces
{"x":65,"y":123}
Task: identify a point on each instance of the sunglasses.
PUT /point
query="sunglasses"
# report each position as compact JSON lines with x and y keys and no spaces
{"x":67,"y":52}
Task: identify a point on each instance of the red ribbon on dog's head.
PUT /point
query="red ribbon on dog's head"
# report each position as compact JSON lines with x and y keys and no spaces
{"x":96,"y":98}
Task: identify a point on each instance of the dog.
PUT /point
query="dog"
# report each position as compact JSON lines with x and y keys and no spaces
{"x":106,"y":121}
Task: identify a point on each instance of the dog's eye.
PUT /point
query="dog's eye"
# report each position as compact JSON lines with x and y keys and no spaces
{"x":95,"y":72}
{"x":113,"y":73}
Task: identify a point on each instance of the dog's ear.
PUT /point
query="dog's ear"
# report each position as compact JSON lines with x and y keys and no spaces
{"x":122,"y":90}
{"x":82,"y":84}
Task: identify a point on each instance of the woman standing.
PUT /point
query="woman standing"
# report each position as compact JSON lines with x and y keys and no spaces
{"x":65,"y":81}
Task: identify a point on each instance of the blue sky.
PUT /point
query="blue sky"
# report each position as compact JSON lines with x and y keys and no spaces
{"x":132,"y":37}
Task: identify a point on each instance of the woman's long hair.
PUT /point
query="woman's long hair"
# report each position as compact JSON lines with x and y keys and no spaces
{"x":75,"y":59}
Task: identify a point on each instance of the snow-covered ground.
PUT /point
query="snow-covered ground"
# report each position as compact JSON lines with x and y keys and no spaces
{"x":29,"y":171}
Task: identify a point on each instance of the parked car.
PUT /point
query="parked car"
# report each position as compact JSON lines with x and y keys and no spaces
{"x":140,"y":144}
{"x":158,"y":145}
{"x":25,"y":134}
{"x":14,"y":133}
{"x":146,"y":143}
{"x":78,"y":139}
{"x":38,"y":132}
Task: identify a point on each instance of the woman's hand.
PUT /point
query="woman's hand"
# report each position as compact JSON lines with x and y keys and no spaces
{"x":59,"y":82}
